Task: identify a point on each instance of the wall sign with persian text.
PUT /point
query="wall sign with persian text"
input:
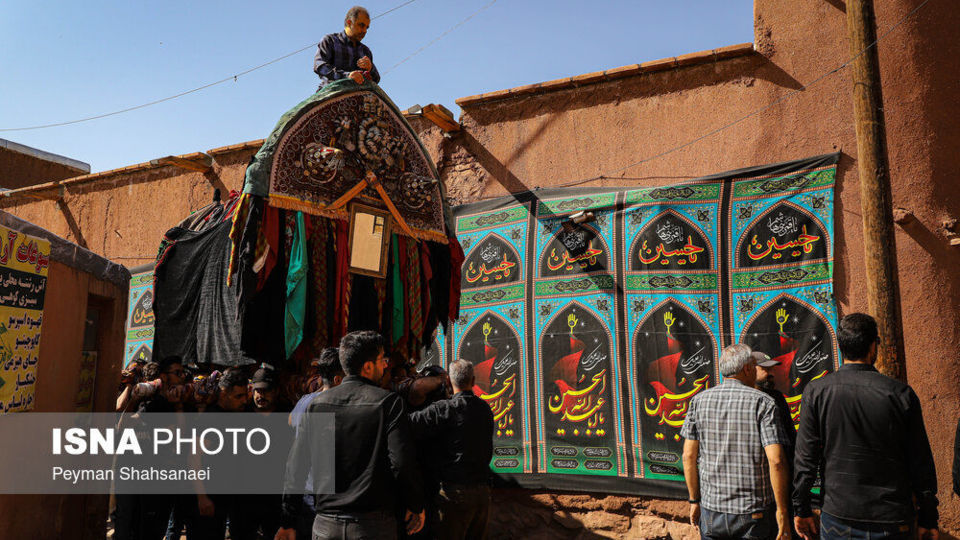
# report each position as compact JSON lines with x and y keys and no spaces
{"x":24,"y":262}
{"x":590,"y":340}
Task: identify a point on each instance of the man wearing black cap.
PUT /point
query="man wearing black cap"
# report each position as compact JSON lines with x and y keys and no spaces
{"x":765,"y":384}
{"x":266,"y":391}
{"x":206,"y":514}
{"x":252,"y":513}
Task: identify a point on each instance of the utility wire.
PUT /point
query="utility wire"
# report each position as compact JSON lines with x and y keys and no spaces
{"x":607,"y":175}
{"x":197,"y":89}
{"x":441,"y":36}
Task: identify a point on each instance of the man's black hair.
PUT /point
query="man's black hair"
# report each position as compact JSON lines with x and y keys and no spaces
{"x":353,"y":12}
{"x":357,"y":348}
{"x":151,"y":371}
{"x":857,"y":331}
{"x":232,"y":377}
{"x":168,"y":362}
{"x":328,"y":365}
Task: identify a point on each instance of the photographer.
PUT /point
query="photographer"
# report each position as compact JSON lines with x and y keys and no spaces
{"x":146,"y":516}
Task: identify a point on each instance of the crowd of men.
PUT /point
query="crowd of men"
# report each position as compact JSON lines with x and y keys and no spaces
{"x":412,"y":450}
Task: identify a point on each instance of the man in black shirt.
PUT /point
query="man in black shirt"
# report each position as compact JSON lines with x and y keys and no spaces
{"x":206,"y":515}
{"x":865,"y":433}
{"x":462,"y":426}
{"x":146,"y":516}
{"x":765,"y":384}
{"x":374,"y":459}
{"x":258,"y":516}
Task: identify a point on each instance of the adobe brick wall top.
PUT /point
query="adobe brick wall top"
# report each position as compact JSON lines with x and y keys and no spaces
{"x":102,"y":175}
{"x":702,"y":57}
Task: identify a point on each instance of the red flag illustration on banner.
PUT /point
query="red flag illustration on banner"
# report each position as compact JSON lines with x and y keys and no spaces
{"x":565,"y":373}
{"x":664,"y":369}
{"x":670,"y":404}
{"x":481,"y":371}
{"x":788,"y":350}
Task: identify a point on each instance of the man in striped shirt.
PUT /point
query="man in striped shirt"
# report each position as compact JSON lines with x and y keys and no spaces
{"x":733,"y":456}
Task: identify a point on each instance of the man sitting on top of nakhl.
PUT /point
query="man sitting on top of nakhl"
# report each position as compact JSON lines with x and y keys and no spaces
{"x":341,"y":55}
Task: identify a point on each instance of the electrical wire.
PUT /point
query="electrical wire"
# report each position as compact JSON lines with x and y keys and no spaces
{"x":607,"y":175}
{"x":193,"y":90}
{"x":441,"y":36}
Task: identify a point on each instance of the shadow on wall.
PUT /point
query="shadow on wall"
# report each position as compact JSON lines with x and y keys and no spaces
{"x":646,"y":85}
{"x":846,"y":179}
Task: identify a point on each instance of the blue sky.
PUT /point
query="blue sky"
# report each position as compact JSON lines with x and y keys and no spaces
{"x":63,"y":60}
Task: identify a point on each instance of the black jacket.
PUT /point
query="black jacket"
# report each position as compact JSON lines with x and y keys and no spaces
{"x":864,"y":432}
{"x":374,"y":457}
{"x":461,"y":428}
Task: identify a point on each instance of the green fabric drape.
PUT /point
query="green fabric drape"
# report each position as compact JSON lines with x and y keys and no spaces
{"x":296,"y":307}
{"x":397,"y":282}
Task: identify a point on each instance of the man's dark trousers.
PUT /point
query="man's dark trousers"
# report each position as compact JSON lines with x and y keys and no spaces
{"x":722,"y":526}
{"x":832,"y":528}
{"x":461,"y":512}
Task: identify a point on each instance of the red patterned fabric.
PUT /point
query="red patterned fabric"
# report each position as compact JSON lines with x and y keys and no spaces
{"x":319,"y":236}
{"x":268,"y":245}
{"x":380,"y":285}
{"x":426,"y":276}
{"x":414,"y":298}
{"x":342,"y":306}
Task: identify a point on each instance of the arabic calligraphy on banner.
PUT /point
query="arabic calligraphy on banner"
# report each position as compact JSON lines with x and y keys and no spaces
{"x":492,"y":262}
{"x":139,"y":346}
{"x":575,"y":251}
{"x":23,"y":281}
{"x":785,"y":235}
{"x":670,"y":243}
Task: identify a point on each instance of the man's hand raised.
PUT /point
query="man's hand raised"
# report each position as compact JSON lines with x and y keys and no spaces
{"x":365,"y":64}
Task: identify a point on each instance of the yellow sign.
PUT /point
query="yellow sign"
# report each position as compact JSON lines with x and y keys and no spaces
{"x":23,"y":282}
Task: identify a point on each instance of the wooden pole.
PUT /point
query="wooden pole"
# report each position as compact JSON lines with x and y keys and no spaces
{"x":880,"y":253}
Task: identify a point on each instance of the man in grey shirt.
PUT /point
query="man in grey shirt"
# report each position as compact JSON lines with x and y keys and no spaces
{"x":733,"y":457}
